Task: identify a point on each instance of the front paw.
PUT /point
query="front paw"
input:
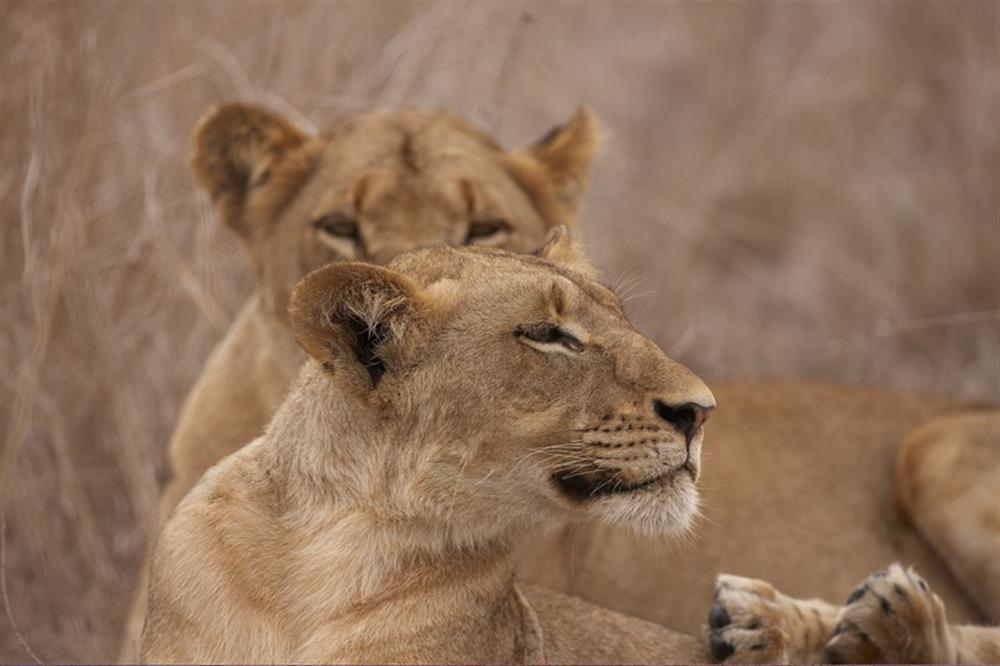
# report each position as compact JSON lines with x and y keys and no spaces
{"x":746,"y":623}
{"x":892,"y":617}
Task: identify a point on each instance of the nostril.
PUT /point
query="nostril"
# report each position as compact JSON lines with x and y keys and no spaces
{"x":687,"y":417}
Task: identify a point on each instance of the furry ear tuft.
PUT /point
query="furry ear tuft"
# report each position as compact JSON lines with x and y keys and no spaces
{"x":236,"y":148}
{"x":566,"y":152}
{"x":560,"y":248}
{"x":556,"y":169}
{"x":345,"y":313}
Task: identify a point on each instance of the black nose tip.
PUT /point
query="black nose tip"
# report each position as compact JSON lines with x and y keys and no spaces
{"x":687,"y":417}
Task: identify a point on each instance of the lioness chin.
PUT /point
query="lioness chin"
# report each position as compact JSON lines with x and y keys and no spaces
{"x":450,"y":402}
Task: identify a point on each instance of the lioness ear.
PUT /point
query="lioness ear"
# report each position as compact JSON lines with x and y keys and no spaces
{"x":346,"y":314}
{"x":236,"y":148}
{"x":558,"y":165}
{"x":562,"y":250}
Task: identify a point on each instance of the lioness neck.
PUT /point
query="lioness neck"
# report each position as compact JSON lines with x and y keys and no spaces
{"x":356,"y":558}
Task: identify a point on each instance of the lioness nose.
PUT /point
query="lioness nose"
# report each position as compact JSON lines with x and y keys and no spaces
{"x":687,"y":417}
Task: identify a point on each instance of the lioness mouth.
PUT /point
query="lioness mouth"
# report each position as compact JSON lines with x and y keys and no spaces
{"x":587,"y":486}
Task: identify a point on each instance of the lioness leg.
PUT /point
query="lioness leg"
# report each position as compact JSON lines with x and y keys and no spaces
{"x":751,"y":622}
{"x":948,"y":483}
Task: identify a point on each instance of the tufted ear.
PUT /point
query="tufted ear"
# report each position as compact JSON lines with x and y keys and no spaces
{"x":560,"y":248}
{"x":237,"y":148}
{"x":556,"y":169}
{"x":351,"y":316}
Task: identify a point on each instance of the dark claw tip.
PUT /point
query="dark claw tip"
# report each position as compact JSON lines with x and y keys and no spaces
{"x":720,"y":648}
{"x":718,"y":617}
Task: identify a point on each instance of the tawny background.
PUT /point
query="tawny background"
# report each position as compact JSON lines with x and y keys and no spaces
{"x":792,"y":189}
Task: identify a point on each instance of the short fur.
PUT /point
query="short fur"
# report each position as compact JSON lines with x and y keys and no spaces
{"x":407,"y":179}
{"x":947,"y":482}
{"x":376,"y":519}
{"x":798,"y":463}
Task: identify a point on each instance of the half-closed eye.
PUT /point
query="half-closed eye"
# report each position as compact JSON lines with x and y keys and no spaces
{"x":487,"y":232}
{"x":341,"y":233}
{"x":338,"y":225}
{"x":546,"y":336}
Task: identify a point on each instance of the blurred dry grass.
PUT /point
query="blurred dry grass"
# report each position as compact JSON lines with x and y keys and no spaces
{"x":789,"y":189}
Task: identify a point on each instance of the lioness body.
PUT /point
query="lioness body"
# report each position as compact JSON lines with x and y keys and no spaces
{"x":830,"y":521}
{"x":368,"y":526}
{"x":277,"y":623}
{"x":798,"y":491}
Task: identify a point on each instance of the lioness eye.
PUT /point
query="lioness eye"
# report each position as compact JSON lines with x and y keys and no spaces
{"x":485,"y":229}
{"x":339,"y":225}
{"x":549,"y":334}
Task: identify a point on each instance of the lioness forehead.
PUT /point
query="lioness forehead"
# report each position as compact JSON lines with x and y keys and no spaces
{"x":415,"y":137}
{"x":430,"y":265}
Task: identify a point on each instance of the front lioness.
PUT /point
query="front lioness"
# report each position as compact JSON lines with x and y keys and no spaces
{"x":452,"y":401}
{"x":373,"y":186}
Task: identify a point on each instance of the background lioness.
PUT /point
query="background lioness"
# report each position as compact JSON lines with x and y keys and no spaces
{"x":372,"y":186}
{"x":450,"y":403}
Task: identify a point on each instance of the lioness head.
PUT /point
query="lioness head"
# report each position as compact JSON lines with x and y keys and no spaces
{"x":379,"y":184}
{"x":494,"y":389}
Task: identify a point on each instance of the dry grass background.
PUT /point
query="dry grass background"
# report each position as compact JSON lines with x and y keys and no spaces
{"x":788,"y":189}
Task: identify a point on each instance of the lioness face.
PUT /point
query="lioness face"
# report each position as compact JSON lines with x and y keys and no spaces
{"x":380,"y":184}
{"x":512,"y":386}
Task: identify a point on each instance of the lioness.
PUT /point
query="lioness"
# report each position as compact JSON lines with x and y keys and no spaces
{"x":373,"y":186}
{"x":450,"y":401}
{"x":801,"y":465}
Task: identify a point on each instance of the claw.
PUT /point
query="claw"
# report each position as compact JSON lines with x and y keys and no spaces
{"x":856,"y":594}
{"x":720,"y":648}
{"x":718,"y":617}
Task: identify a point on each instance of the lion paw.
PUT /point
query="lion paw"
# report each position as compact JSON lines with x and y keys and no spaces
{"x":892,"y":617}
{"x":747,"y":622}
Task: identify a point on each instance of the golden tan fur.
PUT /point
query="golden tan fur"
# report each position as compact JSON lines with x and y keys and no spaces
{"x":802,"y":462}
{"x":451,"y":402}
{"x":893,"y":617}
{"x":797,"y":491}
{"x":404,"y":179}
{"x":947,"y":482}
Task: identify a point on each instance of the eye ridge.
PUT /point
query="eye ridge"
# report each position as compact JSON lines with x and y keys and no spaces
{"x":549,"y":333}
{"x":480,"y":229}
